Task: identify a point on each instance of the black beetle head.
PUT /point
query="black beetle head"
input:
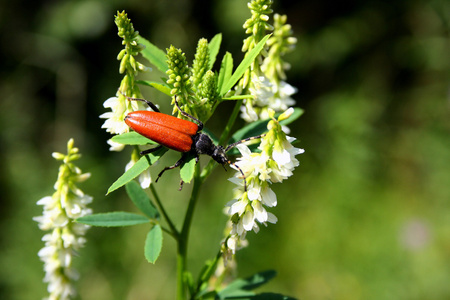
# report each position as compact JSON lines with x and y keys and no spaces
{"x":219,"y":155}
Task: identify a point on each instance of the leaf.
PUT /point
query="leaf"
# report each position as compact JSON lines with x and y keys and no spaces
{"x":189,"y":281}
{"x":140,"y":166}
{"x":243,"y":66}
{"x":113,"y":219}
{"x":141,"y":200}
{"x":214,"y":46}
{"x":153,"y":244}
{"x":159,"y":86}
{"x":226,"y":68}
{"x":132,"y":138}
{"x":187,"y":169}
{"x":243,"y":287}
{"x":238,"y":97}
{"x":154,"y":55}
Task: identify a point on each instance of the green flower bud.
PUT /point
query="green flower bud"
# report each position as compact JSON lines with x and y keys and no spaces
{"x":201,"y":62}
{"x":178,"y":72}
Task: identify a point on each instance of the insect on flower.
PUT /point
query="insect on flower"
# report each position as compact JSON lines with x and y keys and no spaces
{"x":179,"y":135}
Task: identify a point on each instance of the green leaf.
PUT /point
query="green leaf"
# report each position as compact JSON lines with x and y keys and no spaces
{"x":154,"y":55}
{"x":214,"y":46}
{"x":140,"y":166}
{"x":187,"y":169}
{"x":132,"y":138}
{"x":189,"y":280}
{"x":153,"y":244}
{"x":226,"y":68}
{"x":159,"y":86}
{"x":244,"y":65}
{"x":243,"y":287}
{"x":113,"y":219}
{"x":141,"y":200}
{"x":238,"y":97}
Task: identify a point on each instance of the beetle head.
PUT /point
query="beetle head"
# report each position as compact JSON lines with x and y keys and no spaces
{"x":219,"y":155}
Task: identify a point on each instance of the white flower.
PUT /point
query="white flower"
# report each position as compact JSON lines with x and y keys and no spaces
{"x":282,"y":96}
{"x":120,"y":107}
{"x":284,"y":156}
{"x":253,"y":163}
{"x":114,"y":119}
{"x":268,"y":197}
{"x":115,"y":146}
{"x":259,"y":211}
{"x":262,"y":91}
{"x":261,"y":88}
{"x":66,"y":236}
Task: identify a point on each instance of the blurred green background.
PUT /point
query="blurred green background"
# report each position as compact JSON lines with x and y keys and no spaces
{"x":366,"y":215}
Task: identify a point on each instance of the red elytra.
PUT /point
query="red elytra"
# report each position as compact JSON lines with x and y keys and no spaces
{"x":166,"y":130}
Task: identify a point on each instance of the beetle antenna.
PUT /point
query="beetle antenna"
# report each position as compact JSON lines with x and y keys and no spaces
{"x":199,"y":123}
{"x":152,"y":106}
{"x":240,"y":170}
{"x":242,"y":141}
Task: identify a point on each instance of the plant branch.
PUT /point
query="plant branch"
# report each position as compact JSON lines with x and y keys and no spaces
{"x":173,"y":231}
{"x":184,"y":236}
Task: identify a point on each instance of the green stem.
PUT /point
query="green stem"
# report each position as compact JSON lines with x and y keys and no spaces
{"x":174,"y":232}
{"x":210,"y":166}
{"x":184,"y":236}
{"x":230,"y":123}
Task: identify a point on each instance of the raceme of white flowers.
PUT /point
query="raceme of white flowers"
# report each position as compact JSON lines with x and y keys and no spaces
{"x":274,"y":163}
{"x":66,"y":237}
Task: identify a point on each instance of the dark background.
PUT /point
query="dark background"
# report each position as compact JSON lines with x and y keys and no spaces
{"x":366,"y":215}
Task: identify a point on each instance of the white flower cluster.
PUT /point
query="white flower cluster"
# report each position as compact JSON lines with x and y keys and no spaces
{"x":274,"y":163}
{"x":267,"y":95}
{"x":66,"y":236}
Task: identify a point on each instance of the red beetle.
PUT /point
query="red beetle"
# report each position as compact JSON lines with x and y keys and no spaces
{"x":179,"y":135}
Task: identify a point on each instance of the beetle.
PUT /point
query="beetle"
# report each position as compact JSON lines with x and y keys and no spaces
{"x":179,"y":135}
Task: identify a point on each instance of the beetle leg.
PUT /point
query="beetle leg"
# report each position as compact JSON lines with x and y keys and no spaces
{"x":240,"y":170}
{"x":181,"y":185}
{"x":199,"y":123}
{"x":144,"y":152}
{"x":153,"y":106}
{"x":176,"y":165}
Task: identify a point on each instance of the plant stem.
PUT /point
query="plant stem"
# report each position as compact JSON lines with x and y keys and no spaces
{"x":184,"y":235}
{"x":230,"y":122}
{"x":210,"y":166}
{"x":174,"y":231}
